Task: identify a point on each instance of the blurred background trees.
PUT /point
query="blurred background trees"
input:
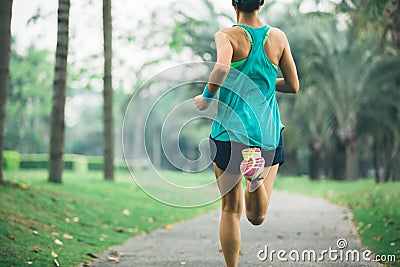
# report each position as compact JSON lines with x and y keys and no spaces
{"x":344,"y":124}
{"x":330,"y":130}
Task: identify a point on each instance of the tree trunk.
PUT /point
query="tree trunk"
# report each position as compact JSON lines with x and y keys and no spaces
{"x":389,"y":154}
{"x":329,"y":164}
{"x":396,"y":169}
{"x":60,"y":80}
{"x":108,"y":135}
{"x":364,"y":164}
{"x":293,"y":166}
{"x":156,"y":147}
{"x":339,"y":161}
{"x":5,"y":51}
{"x":315,"y":162}
{"x":137,"y":141}
{"x":392,"y":11}
{"x":376,"y":160}
{"x":352,"y":160}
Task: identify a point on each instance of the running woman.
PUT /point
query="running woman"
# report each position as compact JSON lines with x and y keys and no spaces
{"x":246,"y":133}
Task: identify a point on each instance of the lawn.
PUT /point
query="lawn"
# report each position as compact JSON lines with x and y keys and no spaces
{"x":88,"y":214}
{"x":375,"y":207}
{"x":83,"y":215}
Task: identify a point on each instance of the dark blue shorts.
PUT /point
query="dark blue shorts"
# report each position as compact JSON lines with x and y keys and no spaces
{"x":228,"y":155}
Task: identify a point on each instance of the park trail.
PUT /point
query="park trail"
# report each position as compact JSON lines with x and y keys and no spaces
{"x":294,"y":222}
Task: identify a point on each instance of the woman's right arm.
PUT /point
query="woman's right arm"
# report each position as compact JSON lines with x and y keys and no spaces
{"x":290,"y":81}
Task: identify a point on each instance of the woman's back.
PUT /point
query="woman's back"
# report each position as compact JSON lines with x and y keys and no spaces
{"x":247,"y":108}
{"x":273,"y":47}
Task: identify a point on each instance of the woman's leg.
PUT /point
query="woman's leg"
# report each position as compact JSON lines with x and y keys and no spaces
{"x":257,"y":202}
{"x":230,"y":187}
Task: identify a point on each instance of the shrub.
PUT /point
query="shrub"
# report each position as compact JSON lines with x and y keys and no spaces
{"x":41,"y":161}
{"x":75,"y":162}
{"x":95,"y":163}
{"x":34,"y":161}
{"x":11,"y":160}
{"x":120,"y":165}
{"x":138,"y":165}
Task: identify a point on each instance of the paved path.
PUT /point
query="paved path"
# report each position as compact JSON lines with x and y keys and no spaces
{"x":294,"y":222}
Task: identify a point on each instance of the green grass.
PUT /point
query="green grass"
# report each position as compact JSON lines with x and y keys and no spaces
{"x":50,"y":210}
{"x":375,"y":207}
{"x":29,"y":203}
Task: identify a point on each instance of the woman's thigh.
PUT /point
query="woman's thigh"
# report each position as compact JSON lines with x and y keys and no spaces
{"x":230,"y":187}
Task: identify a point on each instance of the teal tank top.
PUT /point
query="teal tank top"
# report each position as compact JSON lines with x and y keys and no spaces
{"x":247,"y":109}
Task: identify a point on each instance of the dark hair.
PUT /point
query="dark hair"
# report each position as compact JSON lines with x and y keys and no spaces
{"x":248,"y":7}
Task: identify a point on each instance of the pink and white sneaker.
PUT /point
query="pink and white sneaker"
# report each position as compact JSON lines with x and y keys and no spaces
{"x":252,"y":166}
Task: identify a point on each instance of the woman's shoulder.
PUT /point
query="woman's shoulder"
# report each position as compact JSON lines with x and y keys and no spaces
{"x":229,"y":30}
{"x":277,"y":31}
{"x":233,"y":30}
{"x":236,"y":32}
{"x":230,"y":33}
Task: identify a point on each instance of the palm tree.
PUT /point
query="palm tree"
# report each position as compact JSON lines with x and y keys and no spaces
{"x":380,"y":17}
{"x":342,"y":69}
{"x":108,"y":135}
{"x":330,"y":64}
{"x":60,"y":77}
{"x":309,"y":117}
{"x":5,"y":50}
{"x":381,"y":113}
{"x":310,"y":122}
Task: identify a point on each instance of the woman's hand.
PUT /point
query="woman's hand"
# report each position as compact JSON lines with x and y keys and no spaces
{"x":201,"y":104}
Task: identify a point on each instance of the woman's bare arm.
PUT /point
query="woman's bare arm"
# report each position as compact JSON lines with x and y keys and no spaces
{"x":224,"y":58}
{"x":221,"y":68}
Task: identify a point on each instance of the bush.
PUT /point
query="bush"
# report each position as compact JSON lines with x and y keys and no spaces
{"x":95,"y":163}
{"x":75,"y":163}
{"x":41,"y":161}
{"x":34,"y":161}
{"x":11,"y":160}
{"x":138,"y":165}
{"x":120,"y":165}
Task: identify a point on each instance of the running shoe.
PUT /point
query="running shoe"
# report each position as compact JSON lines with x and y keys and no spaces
{"x":252,"y":166}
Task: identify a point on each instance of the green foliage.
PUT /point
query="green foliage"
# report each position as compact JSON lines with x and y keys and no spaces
{"x":375,"y":207}
{"x":34,"y":161}
{"x":186,"y":33}
{"x":29,"y":105}
{"x":366,"y":15}
{"x":185,"y":36}
{"x":338,"y":101}
{"x":384,"y":74}
{"x":30,"y":204}
{"x":76,"y":163}
{"x":11,"y":160}
{"x":96,"y":164}
{"x":337,"y":75}
{"x":29,"y":99}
